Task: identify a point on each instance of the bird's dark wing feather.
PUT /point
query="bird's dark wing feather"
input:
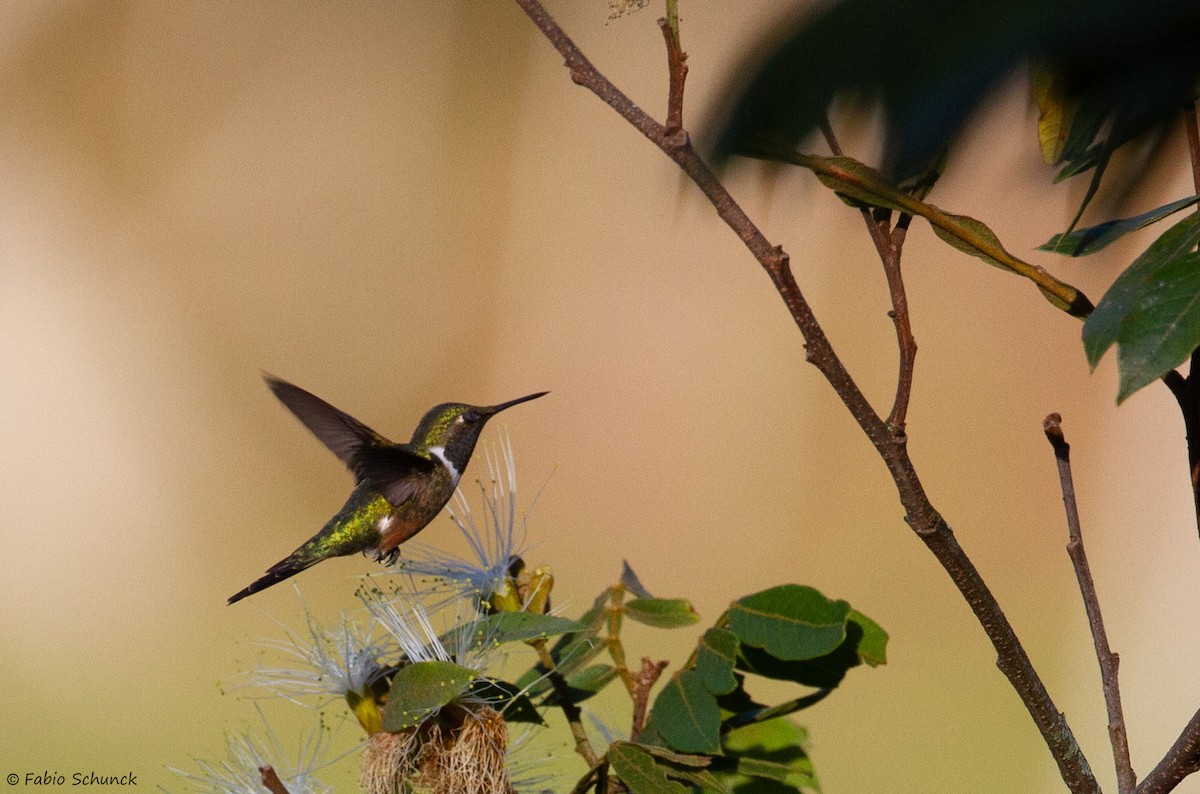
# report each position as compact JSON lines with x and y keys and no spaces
{"x":396,"y":469}
{"x":345,"y":436}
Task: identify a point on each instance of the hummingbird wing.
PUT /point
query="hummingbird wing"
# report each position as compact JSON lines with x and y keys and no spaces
{"x":342,"y":433}
{"x":398,"y":471}
{"x":395,"y":469}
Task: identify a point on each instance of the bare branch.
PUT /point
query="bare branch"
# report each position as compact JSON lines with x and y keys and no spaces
{"x":1180,"y":761}
{"x":889,"y":244}
{"x":569,"y":708}
{"x":920,"y":514}
{"x":1109,"y":661}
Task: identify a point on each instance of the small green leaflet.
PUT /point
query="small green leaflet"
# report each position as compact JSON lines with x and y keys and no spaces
{"x":1082,"y":242}
{"x":661,"y":613}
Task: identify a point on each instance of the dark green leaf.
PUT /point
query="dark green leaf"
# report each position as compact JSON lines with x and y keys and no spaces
{"x":738,"y":701}
{"x":571,"y":651}
{"x":824,"y":672}
{"x":512,"y":626}
{"x":767,"y":758}
{"x":872,"y":649}
{"x":862,"y":185}
{"x":662,"y":613}
{"x":686,"y":715}
{"x":1088,"y":241}
{"x":585,"y":683}
{"x":683,"y":759}
{"x":420,"y":688}
{"x":631,"y":581}
{"x":716,"y":655}
{"x":508,"y":699}
{"x":639,"y":772}
{"x":979,"y":231}
{"x":790,"y":621}
{"x":1162,"y":326}
{"x":930,"y":66}
{"x":1103,"y":328}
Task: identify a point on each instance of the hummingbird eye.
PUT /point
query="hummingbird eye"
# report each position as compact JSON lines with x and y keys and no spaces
{"x":470,"y":416}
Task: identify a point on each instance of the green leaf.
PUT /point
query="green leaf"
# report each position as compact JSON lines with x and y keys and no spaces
{"x":508,"y":699}
{"x":1103,"y":328}
{"x":571,"y":651}
{"x":859,"y":183}
{"x":420,"y":688}
{"x":683,"y":759}
{"x":716,"y":655}
{"x":1055,"y":111}
{"x":662,"y":613}
{"x":631,"y":581}
{"x":585,"y":683}
{"x":864,"y":185}
{"x":824,"y":672}
{"x":639,"y":772}
{"x":686,"y":715}
{"x":981,"y":243}
{"x":771,"y":751}
{"x":1162,"y":326}
{"x":872,"y":649}
{"x":505,"y":627}
{"x":1082,"y":242}
{"x":790,"y":621}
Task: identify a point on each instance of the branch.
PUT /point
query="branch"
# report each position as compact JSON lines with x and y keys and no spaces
{"x":569,"y":708}
{"x":1109,"y":661}
{"x":889,"y":244}
{"x":1180,"y":761}
{"x":920,"y":514}
{"x":676,"y":69}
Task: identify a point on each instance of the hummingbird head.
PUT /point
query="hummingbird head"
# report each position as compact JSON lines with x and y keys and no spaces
{"x":455,"y":427}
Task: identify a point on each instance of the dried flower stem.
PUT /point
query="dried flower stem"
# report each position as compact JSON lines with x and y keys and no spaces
{"x":271,"y":780}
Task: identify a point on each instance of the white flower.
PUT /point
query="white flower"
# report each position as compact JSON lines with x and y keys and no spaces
{"x":347,"y":658}
{"x":456,"y":637}
{"x":239,"y":772}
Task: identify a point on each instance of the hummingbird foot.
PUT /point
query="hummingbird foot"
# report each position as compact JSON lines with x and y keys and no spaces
{"x":386,"y":557}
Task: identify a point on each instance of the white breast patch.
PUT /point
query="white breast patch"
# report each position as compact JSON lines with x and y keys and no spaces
{"x":440,"y":454}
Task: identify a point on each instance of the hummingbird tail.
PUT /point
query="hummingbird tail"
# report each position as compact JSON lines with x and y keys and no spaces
{"x":284,"y":569}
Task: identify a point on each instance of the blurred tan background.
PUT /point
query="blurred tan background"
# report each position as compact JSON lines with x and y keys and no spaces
{"x":395,"y":204}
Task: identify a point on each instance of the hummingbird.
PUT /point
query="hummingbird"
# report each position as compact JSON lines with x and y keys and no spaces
{"x":398,"y":488}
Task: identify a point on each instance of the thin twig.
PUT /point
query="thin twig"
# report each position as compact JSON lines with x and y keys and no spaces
{"x":271,"y":780}
{"x":920,"y":514}
{"x":676,"y":71}
{"x":569,"y":708}
{"x":645,"y":680}
{"x":888,"y":244}
{"x":1109,"y":661}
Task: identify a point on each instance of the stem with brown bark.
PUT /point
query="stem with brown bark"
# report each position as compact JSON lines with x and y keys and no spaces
{"x":890,"y":443}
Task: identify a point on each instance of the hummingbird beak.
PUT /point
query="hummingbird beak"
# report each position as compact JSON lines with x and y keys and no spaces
{"x":495,"y":409}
